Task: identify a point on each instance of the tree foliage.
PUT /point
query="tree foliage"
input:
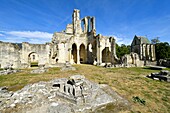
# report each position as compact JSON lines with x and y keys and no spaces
{"x":155,"y":40}
{"x":162,"y":50}
{"x":122,"y":50}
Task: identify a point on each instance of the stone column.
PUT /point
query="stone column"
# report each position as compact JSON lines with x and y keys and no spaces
{"x":154,"y":55}
{"x":144,"y":51}
{"x":86,"y":24}
{"x":86,"y":56}
{"x":93,"y":23}
{"x":99,"y":53}
{"x":78,"y":56}
{"x":141,"y":52}
{"x":148,"y":51}
{"x":69,"y":54}
{"x":100,"y":56}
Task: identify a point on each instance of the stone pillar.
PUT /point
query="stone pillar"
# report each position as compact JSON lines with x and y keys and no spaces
{"x":113,"y":50}
{"x":148,"y":52}
{"x":85,"y":24}
{"x":61,"y":87}
{"x":78,"y":91}
{"x":93,"y":23}
{"x":86,"y":56}
{"x":153,"y":52}
{"x":144,"y":51}
{"x":100,"y":55}
{"x":69,"y":55}
{"x":71,"y":90}
{"x":76,"y":22}
{"x":141,"y":52}
{"x":78,"y":56}
{"x":99,"y":52}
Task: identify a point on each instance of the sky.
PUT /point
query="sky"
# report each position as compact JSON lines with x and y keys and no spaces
{"x":35,"y":21}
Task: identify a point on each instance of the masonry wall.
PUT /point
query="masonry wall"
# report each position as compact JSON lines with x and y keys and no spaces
{"x":42,"y":51}
{"x":9,"y":54}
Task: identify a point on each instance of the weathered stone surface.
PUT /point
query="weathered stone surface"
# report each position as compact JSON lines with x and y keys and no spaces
{"x":8,"y":70}
{"x":162,"y":75}
{"x":73,"y":95}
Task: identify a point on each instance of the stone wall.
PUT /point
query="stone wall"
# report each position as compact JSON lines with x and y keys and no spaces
{"x":41,"y":50}
{"x":132,"y":60}
{"x":78,"y":43}
{"x":9,"y":54}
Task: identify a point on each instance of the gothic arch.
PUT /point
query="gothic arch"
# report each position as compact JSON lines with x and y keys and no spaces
{"x":74,"y":52}
{"x":82,"y":54}
{"x":33,"y":59}
{"x":106,"y":55}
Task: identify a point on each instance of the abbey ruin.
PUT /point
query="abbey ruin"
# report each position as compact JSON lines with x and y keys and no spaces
{"x":77,"y":44}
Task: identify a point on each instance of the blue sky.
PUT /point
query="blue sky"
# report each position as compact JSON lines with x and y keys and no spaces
{"x":35,"y":21}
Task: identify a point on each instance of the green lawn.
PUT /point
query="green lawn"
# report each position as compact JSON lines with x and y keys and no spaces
{"x":128,"y":82}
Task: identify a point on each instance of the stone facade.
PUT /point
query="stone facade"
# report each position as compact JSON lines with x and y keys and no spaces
{"x":78,"y":43}
{"x":143,"y":47}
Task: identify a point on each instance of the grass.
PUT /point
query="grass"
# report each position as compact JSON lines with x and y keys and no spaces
{"x":128,"y":82}
{"x":34,"y":64}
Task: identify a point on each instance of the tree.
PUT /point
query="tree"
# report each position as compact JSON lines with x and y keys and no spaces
{"x":162,"y":50}
{"x":155,"y":40}
{"x":122,"y":50}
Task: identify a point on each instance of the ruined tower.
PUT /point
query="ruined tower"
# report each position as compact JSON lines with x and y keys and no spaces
{"x":76,"y":22}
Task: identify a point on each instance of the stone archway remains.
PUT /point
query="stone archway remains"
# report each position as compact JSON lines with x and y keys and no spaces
{"x":82,"y":54}
{"x":33,"y":59}
{"x":106,"y":55}
{"x":74,"y":52}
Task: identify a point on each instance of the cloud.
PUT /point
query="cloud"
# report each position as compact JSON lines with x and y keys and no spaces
{"x":1,"y":35}
{"x":30,"y":34}
{"x":26,"y":36}
{"x":121,"y":39}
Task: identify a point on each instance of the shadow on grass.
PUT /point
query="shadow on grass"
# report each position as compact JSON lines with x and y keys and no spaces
{"x":151,"y":68}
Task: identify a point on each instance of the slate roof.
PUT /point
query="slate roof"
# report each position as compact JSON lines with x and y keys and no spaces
{"x":143,"y":39}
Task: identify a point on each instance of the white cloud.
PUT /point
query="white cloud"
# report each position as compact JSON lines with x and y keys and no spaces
{"x":31,"y":34}
{"x":1,"y":35}
{"x":120,"y":39}
{"x":26,"y":36}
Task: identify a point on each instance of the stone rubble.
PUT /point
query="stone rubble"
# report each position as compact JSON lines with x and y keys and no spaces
{"x":8,"y":70}
{"x":162,"y":75}
{"x":73,"y":95}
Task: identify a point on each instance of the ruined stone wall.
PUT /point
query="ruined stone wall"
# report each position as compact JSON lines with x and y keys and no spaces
{"x":9,"y":54}
{"x":132,"y":60}
{"x":42,"y":50}
{"x":106,"y":50}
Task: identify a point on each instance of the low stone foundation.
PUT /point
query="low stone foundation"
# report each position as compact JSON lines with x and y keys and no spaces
{"x":73,"y":95}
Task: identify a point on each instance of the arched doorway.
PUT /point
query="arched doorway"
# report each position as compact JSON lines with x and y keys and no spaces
{"x":33,"y":59}
{"x":74,"y":52}
{"x":106,"y":58}
{"x":82,"y":54}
